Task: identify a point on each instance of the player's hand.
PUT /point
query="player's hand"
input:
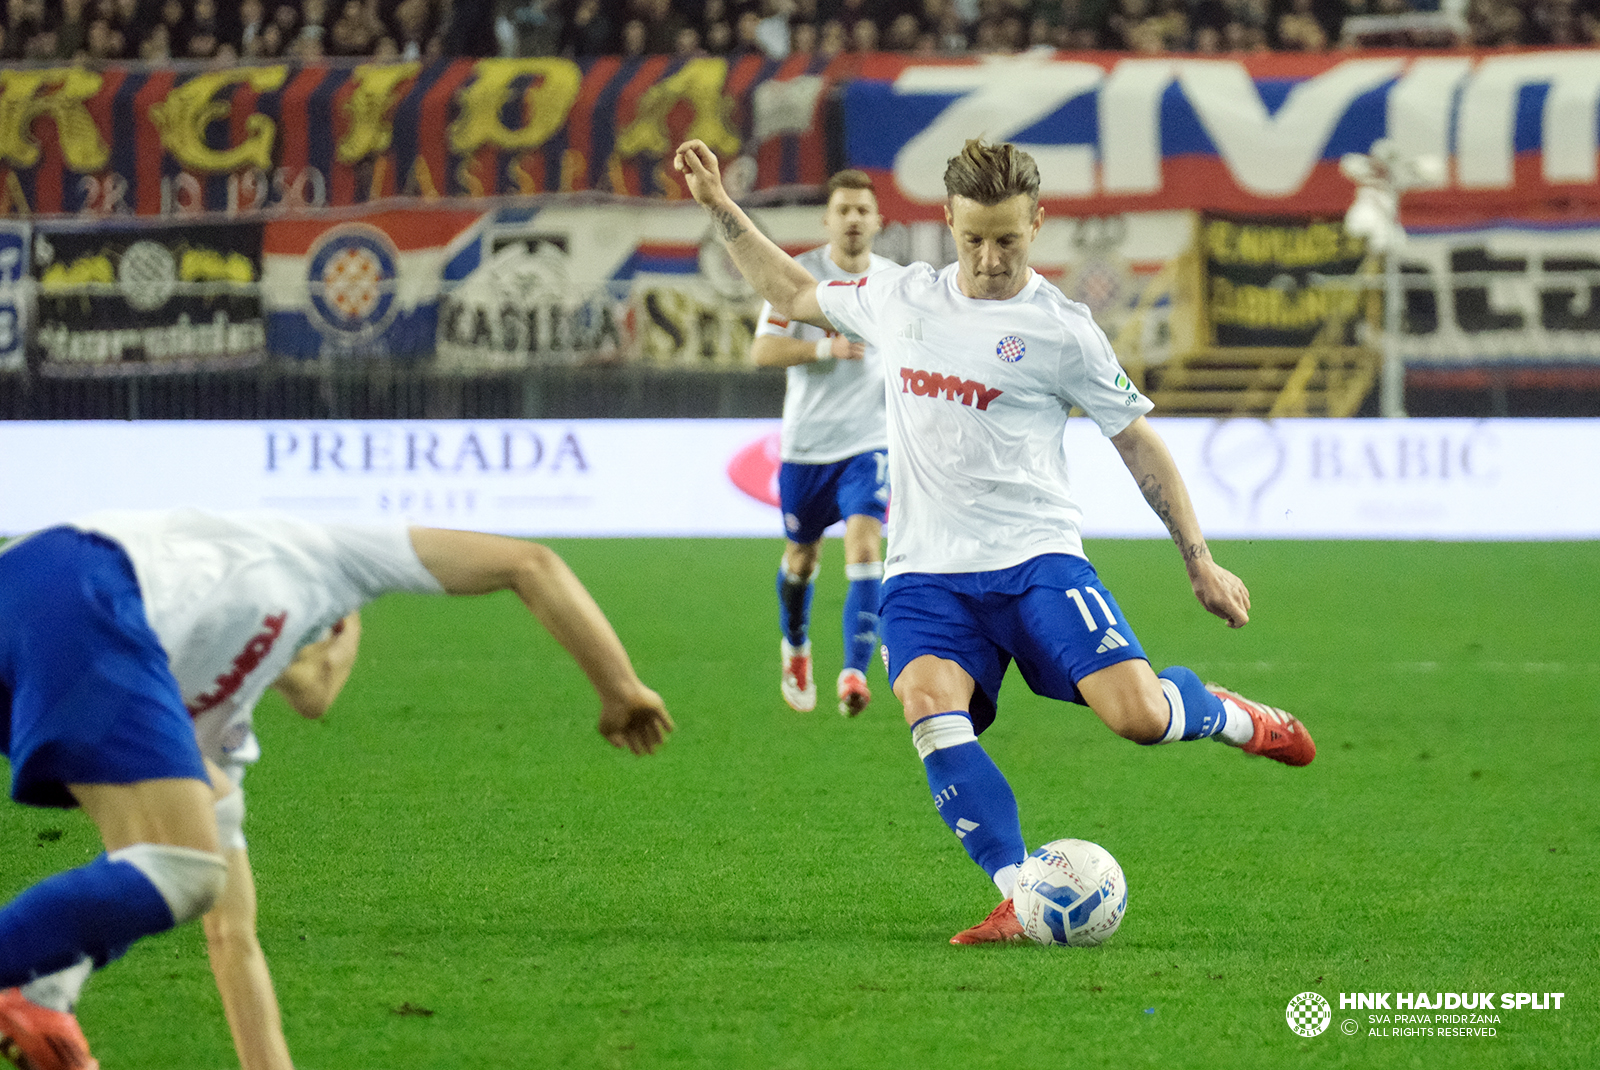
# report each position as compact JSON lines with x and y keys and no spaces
{"x":844,"y":349}
{"x":640,"y":722}
{"x":1221,"y":592}
{"x":698,"y":164}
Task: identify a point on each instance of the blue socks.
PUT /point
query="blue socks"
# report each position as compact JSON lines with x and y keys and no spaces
{"x":96,"y":910}
{"x":794,"y":606}
{"x":971,"y":793}
{"x":861,"y":613}
{"x":1196,"y":712}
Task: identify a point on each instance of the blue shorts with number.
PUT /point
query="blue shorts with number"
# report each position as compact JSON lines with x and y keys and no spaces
{"x":1050,"y":614}
{"x":815,"y":496}
{"x":86,"y":696}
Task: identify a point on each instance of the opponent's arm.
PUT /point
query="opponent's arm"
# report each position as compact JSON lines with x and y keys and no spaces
{"x":784,"y":284}
{"x":469,"y":562}
{"x":778,"y":351}
{"x":237,"y":962}
{"x":319,"y":670}
{"x":1156,"y":473}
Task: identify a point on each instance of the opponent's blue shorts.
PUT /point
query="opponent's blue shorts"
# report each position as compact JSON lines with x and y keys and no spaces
{"x":815,"y":496}
{"x":1050,"y":614}
{"x":86,"y":696}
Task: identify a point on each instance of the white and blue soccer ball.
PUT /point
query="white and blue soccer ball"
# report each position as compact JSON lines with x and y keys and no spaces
{"x":1070,"y":892}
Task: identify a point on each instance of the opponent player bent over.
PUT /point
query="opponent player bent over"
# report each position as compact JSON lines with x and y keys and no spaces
{"x":120,"y":632}
{"x":984,"y":360}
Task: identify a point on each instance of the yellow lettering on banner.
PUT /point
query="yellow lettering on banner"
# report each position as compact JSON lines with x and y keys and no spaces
{"x":574,"y":170}
{"x":377,"y":89}
{"x":421,"y":180}
{"x":87,"y":269}
{"x":614,"y":172}
{"x":208,"y":265}
{"x":380,"y":170}
{"x":23,"y":98}
{"x":1285,"y":246}
{"x":548,"y":99}
{"x":698,"y":83}
{"x":12,"y":200}
{"x":1272,"y":308}
{"x":467,"y":178}
{"x":526,"y":180}
{"x":183,"y":117}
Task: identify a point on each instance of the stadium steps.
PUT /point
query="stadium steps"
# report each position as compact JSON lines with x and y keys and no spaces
{"x":1316,"y":380}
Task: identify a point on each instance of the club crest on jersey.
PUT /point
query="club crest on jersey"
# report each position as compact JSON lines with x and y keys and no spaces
{"x":1010,"y":349}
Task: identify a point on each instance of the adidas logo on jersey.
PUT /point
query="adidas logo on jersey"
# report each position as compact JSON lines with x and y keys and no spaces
{"x":953,"y":387}
{"x":963,"y":826}
{"x":1111,"y":642}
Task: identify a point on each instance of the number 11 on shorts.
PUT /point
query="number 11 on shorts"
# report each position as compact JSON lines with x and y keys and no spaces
{"x":1083,"y":608}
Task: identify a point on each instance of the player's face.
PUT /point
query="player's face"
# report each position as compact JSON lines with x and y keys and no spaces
{"x":992,"y":242}
{"x":852,"y":220}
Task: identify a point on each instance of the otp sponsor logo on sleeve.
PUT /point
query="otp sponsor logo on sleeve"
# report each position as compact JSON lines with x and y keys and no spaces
{"x":1308,"y":1014}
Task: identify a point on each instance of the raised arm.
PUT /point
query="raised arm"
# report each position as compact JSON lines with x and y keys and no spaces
{"x":467,"y":562}
{"x":788,"y":287}
{"x":1156,"y":473}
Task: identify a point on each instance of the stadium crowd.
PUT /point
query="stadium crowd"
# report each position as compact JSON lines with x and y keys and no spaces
{"x":91,"y":31}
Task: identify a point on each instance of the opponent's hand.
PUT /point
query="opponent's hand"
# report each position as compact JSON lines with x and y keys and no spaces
{"x":1221,"y":592}
{"x":639,"y":723}
{"x":698,"y":164}
{"x":844,"y":349}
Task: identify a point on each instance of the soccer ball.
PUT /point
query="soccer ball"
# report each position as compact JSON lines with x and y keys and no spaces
{"x":1070,"y":892}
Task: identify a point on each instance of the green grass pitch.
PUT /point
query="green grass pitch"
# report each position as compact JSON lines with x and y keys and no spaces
{"x":456,"y":871}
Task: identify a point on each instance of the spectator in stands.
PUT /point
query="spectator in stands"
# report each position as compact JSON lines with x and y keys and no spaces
{"x":831,"y":41}
{"x":1298,"y":30}
{"x":416,"y":30}
{"x":803,"y":38}
{"x":904,"y":33}
{"x":354,"y":32}
{"x":864,"y":36}
{"x":662,"y":23}
{"x":587,"y":30}
{"x":634,"y":38}
{"x":773,"y":29}
{"x":155,"y":46}
{"x":252,"y":16}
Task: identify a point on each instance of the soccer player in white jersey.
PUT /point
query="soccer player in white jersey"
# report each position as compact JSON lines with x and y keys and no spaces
{"x":984,"y":360}
{"x":125,"y":636}
{"x":833,"y":452}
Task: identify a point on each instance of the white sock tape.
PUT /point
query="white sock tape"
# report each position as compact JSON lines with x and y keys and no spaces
{"x":941,"y":731}
{"x":189,"y":880}
{"x":867,"y":570}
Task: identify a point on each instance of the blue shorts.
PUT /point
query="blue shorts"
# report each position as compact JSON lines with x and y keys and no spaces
{"x":86,"y":696}
{"x":816,"y":496}
{"x":1050,"y":614}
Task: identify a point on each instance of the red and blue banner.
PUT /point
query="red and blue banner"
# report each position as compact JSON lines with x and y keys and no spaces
{"x":280,"y":138}
{"x":1516,"y":131}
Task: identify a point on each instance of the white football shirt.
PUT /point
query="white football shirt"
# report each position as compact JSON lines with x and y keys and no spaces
{"x":233,"y":597}
{"x":832,"y":409}
{"x":978,"y":394}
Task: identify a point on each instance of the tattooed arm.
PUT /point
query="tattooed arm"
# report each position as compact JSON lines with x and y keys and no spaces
{"x":773,"y":273}
{"x":1156,"y":473}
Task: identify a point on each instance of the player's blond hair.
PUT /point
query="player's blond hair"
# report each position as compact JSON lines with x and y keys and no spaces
{"x":990,"y":174}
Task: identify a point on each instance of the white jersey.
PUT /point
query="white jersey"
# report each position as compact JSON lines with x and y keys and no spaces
{"x":978,"y":396}
{"x":234,"y":596}
{"x":832,"y":409}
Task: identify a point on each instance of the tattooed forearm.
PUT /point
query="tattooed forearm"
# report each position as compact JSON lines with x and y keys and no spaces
{"x":1154,"y":494}
{"x":729,"y":226}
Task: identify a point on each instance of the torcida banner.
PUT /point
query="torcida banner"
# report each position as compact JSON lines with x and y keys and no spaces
{"x":1112,"y":133}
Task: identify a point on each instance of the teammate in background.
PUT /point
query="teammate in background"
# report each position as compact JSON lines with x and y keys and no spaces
{"x":121,"y":632}
{"x":985,"y":359}
{"x":833,"y":453}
